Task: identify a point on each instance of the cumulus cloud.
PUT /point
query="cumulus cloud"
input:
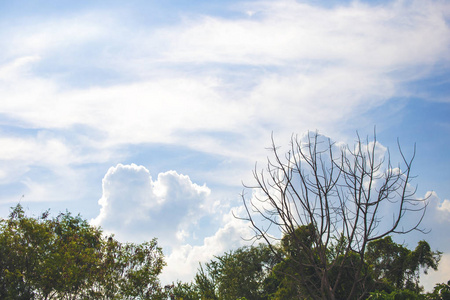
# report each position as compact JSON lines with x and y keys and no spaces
{"x":437,"y":221}
{"x":442,"y":275}
{"x":434,"y":225}
{"x":135,"y":207}
{"x":183,"y":261}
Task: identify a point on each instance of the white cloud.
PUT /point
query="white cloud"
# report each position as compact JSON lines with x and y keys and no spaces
{"x":300,"y":67}
{"x":135,"y":207}
{"x":126,"y":113}
{"x":183,"y":261}
{"x":435,"y":224}
{"x":442,"y":275}
{"x":19,"y":156}
{"x":437,"y":219}
{"x":50,"y":35}
{"x":374,"y":37}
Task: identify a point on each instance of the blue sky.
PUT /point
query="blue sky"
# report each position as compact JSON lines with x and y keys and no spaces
{"x":146,"y":116}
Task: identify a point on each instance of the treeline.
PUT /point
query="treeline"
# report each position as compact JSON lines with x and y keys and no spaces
{"x":256,"y":272}
{"x":65,"y":258}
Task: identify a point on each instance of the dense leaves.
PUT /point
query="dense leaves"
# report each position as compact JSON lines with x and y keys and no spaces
{"x":396,"y":267}
{"x":66,"y":258}
{"x":236,"y":274}
{"x":256,"y":273}
{"x":441,"y":292}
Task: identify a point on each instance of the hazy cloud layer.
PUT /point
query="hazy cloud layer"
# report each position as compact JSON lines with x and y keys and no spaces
{"x":215,"y":74}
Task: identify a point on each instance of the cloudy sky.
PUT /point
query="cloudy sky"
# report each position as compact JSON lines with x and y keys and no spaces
{"x":147,"y":116}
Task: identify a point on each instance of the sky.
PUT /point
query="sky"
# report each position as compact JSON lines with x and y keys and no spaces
{"x":147,"y":116}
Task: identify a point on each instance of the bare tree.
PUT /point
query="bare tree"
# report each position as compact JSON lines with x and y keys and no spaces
{"x":329,"y":201}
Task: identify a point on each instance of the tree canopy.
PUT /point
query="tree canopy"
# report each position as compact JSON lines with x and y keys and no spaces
{"x":255,"y":273}
{"x":66,"y":258}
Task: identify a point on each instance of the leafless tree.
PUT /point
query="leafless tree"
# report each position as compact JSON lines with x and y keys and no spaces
{"x":344,"y":197}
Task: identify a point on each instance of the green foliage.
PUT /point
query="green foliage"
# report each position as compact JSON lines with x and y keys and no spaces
{"x":440,"y":292}
{"x":236,"y":274}
{"x":66,"y":258}
{"x":386,"y":266}
{"x":182,"y":291}
{"x":392,"y":271}
{"x":396,"y":267}
{"x":396,"y":295}
{"x":206,"y":281}
{"x":291,"y":279}
{"x":131,"y":270}
{"x":296,"y":247}
{"x":281,"y":284}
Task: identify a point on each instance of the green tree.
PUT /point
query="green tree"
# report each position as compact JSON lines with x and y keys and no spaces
{"x":23,"y":244}
{"x":206,"y":281}
{"x":136,"y":269}
{"x":396,"y":267}
{"x":393,"y":269}
{"x":256,"y":273}
{"x":71,"y":259}
{"x":396,"y":295}
{"x":440,"y":292}
{"x":236,"y":274}
{"x":66,"y":258}
{"x":183,"y":291}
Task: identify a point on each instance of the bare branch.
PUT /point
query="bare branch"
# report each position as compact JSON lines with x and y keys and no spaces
{"x":338,"y":195}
